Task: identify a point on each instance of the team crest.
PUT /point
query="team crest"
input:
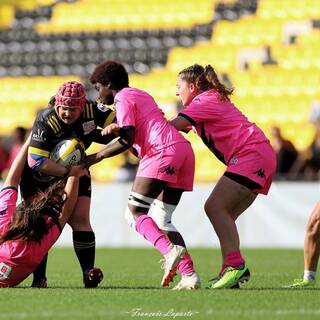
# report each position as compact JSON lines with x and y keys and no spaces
{"x":102,"y":107}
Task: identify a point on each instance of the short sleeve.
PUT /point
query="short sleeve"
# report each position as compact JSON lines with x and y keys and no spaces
{"x":125,"y":112}
{"x":8,"y":199}
{"x":41,"y":138}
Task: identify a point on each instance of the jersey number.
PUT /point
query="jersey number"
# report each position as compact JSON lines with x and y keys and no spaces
{"x":4,"y":271}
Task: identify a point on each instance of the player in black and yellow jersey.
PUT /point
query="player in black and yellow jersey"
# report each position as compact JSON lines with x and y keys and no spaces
{"x":68,"y":115}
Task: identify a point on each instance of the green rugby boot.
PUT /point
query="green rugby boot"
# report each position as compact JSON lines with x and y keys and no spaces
{"x":230,"y":278}
{"x":214,"y":280}
{"x":302,"y":283}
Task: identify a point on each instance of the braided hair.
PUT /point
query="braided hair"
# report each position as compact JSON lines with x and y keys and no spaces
{"x":205,"y":78}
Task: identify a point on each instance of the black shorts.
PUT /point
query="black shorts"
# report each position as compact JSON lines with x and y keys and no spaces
{"x":33,"y":182}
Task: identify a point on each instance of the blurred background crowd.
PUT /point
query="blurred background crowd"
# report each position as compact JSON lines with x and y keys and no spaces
{"x":268,"y":50}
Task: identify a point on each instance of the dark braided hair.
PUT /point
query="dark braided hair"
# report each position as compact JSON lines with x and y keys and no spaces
{"x":29,"y":221}
{"x":205,"y":78}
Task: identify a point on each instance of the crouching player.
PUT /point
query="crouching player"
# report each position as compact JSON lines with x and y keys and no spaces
{"x":28,"y":231}
{"x":68,"y":115}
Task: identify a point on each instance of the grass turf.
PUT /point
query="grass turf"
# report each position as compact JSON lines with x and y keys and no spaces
{"x":131,"y":289}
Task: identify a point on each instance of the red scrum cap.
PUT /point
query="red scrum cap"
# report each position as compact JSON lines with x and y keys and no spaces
{"x":71,"y":94}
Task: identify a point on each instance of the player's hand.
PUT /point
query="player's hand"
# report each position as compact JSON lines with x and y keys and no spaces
{"x":111,"y":128}
{"x":91,"y":160}
{"x":78,"y":171}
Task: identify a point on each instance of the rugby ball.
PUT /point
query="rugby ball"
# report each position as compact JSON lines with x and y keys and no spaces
{"x":68,"y":152}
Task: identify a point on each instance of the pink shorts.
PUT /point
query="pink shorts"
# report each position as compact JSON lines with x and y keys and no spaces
{"x":257,"y":163}
{"x":174,"y":164}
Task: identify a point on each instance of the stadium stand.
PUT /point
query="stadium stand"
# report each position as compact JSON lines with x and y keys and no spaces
{"x":266,"y":49}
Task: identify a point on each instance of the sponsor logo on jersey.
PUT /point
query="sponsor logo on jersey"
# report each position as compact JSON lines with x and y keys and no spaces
{"x":88,"y":126}
{"x":102,"y":107}
{"x":38,"y":136}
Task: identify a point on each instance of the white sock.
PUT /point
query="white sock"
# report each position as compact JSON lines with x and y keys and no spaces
{"x":309,"y":275}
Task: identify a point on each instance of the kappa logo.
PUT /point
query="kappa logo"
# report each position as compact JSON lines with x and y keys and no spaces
{"x":260,"y":173}
{"x":234,"y":161}
{"x":38,"y":136}
{"x":169,"y":170}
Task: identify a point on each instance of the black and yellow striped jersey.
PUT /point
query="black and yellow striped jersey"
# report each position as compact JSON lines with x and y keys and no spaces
{"x":48,"y":129}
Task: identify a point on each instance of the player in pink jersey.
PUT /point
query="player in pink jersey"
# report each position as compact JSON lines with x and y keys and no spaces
{"x":28,"y":231}
{"x":241,"y":146}
{"x":165,"y":171}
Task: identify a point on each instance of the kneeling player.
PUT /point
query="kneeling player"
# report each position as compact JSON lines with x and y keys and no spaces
{"x":28,"y":231}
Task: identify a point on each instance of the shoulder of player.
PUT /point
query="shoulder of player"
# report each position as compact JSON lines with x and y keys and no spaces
{"x":47,"y":117}
{"x":95,"y":109}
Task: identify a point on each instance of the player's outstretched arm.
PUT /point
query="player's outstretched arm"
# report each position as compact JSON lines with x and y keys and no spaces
{"x":123,"y":143}
{"x":52,"y":168}
{"x":180,"y":123}
{"x":15,"y":171}
{"x":71,"y":190}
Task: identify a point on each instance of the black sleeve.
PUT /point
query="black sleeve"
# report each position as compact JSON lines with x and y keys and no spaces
{"x":103,"y":114}
{"x":98,"y":138}
{"x":41,"y":136}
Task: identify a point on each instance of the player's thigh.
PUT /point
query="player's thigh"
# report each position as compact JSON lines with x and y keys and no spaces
{"x":170,"y":195}
{"x":148,"y":187}
{"x":80,"y":216}
{"x":229,"y":197}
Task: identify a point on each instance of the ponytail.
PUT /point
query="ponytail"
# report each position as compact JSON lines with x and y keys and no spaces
{"x":205,"y":78}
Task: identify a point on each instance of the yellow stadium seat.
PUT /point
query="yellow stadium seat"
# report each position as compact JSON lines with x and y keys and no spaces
{"x":6,"y":16}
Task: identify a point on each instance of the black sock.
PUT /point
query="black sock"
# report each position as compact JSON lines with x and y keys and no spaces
{"x":40,"y":271}
{"x":85,"y":246}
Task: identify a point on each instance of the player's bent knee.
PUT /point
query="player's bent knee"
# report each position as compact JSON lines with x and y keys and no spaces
{"x":313,"y":227}
{"x":162,"y":215}
{"x":136,"y":201}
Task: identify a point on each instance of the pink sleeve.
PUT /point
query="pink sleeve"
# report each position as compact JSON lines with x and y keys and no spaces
{"x":8,"y":199}
{"x":125,"y":112}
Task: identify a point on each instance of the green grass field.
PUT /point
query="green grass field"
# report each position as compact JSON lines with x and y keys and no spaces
{"x":130,"y":289}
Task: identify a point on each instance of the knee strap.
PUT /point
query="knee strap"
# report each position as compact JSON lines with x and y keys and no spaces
{"x":137,"y":200}
{"x":162,"y":214}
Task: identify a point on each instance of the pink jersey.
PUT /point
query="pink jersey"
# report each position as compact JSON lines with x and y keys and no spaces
{"x":18,"y":258}
{"x":221,"y":126}
{"x":153,"y":132}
